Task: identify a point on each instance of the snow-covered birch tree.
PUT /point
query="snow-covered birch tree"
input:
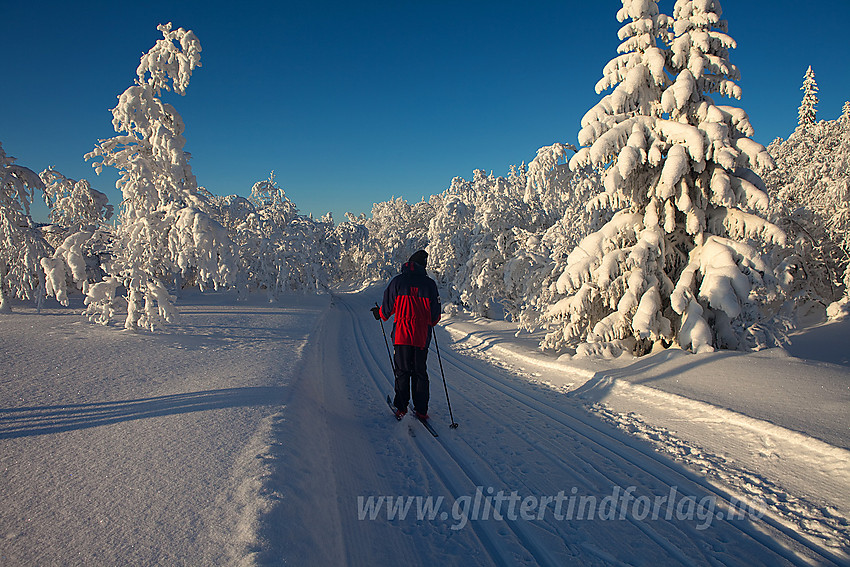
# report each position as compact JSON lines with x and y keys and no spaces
{"x":164,"y":223}
{"x":355,"y":260}
{"x":81,"y":237}
{"x":677,"y":262}
{"x":497,"y":266}
{"x":21,"y":243}
{"x":277,"y":249}
{"x":544,"y":256}
{"x":807,"y":112}
{"x":396,"y":229}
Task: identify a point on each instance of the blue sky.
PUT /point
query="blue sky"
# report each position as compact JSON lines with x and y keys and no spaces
{"x":352,"y":103}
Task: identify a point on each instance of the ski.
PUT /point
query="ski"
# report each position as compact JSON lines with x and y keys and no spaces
{"x":427,"y":425}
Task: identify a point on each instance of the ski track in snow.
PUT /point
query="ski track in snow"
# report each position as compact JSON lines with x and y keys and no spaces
{"x":253,"y":434}
{"x":513,"y":436}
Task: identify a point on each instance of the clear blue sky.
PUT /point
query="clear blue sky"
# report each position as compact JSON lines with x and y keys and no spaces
{"x":352,"y":103}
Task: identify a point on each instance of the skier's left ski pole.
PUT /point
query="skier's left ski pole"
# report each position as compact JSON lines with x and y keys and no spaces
{"x":386,"y":342}
{"x":445,"y":387}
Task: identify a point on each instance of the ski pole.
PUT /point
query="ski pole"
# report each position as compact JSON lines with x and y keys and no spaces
{"x":386,"y":342}
{"x":445,"y":387}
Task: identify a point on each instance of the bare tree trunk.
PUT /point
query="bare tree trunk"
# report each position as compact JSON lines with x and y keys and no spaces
{"x":5,"y":307}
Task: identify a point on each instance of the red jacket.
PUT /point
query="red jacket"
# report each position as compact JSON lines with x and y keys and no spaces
{"x":413,"y":298}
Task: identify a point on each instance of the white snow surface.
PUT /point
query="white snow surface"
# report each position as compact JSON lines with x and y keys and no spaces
{"x":125,"y":448}
{"x":256,"y":433}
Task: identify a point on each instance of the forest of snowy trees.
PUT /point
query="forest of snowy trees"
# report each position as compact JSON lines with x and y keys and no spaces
{"x":667,"y":225}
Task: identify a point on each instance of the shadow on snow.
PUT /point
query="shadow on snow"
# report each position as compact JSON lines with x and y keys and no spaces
{"x":44,"y":420}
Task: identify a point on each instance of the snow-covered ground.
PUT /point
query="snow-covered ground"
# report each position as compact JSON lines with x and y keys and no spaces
{"x":122,"y":448}
{"x":257,"y":433}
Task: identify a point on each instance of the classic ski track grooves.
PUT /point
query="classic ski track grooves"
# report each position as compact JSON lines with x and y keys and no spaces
{"x":550,"y":455}
{"x":531,"y":545}
{"x":724,"y":495}
{"x":321,"y":469}
{"x":491,"y":542}
{"x":541,"y":555}
{"x":606,"y":443}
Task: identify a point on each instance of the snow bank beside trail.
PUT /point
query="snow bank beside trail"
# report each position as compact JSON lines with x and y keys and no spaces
{"x":499,"y":340}
{"x":827,"y":342}
{"x":774,"y":427}
{"x":792,"y":392}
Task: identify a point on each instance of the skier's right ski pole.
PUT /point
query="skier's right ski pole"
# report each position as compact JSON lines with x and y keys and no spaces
{"x":445,"y":387}
{"x":386,"y":342}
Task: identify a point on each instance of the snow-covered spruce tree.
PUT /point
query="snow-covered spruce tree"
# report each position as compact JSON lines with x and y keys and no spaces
{"x":676,"y":263}
{"x":21,"y":243}
{"x":164,"y":226}
{"x":807,"y":112}
{"x":810,"y":186}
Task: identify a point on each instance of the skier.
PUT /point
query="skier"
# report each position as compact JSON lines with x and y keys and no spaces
{"x":412,"y":296}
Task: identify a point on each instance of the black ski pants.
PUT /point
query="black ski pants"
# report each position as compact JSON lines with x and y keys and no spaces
{"x":411,"y":374}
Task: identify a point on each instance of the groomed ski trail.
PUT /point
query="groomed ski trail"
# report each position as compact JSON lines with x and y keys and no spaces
{"x":336,"y":446}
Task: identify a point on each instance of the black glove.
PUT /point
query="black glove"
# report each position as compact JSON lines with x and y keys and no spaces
{"x":376,"y":311}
